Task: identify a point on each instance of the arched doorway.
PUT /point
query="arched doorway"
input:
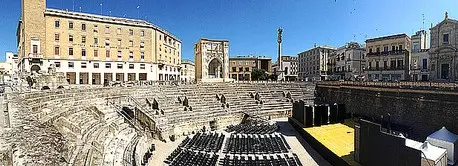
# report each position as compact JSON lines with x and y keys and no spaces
{"x":35,"y":68}
{"x":215,"y":69}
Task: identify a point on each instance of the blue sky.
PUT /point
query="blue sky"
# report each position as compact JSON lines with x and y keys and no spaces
{"x":251,"y":25}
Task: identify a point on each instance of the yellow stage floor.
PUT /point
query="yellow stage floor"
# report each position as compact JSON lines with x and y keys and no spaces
{"x":339,"y":138}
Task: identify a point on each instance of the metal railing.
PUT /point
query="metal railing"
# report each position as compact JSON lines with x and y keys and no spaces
{"x":447,"y":86}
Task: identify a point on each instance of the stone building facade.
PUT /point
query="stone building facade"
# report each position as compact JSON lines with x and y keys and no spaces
{"x":419,"y":59}
{"x":242,"y":66}
{"x":313,"y":63}
{"x":211,"y":60}
{"x":347,"y":62}
{"x":290,"y":67}
{"x":92,"y":49}
{"x":388,"y":58}
{"x":444,"y":51}
{"x":187,"y":71}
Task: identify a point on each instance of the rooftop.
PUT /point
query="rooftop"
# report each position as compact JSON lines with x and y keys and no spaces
{"x":107,"y":19}
{"x":387,"y":37}
{"x":251,"y":57}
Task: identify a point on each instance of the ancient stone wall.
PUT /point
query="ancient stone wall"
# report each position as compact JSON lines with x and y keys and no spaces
{"x":424,"y":110}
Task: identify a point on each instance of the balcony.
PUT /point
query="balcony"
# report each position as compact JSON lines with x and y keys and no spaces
{"x":397,"y":52}
{"x":35,"y":55}
{"x":385,"y":69}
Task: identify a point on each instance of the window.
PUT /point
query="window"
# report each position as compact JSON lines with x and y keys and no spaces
{"x":56,"y":24}
{"x":445,"y":38}
{"x":393,"y":64}
{"x":83,"y":39}
{"x":70,"y":25}
{"x":142,"y":55}
{"x":370,"y":65}
{"x":119,"y":54}
{"x":71,"y":65}
{"x":107,"y":53}
{"x":142,"y":33}
{"x":83,"y":52}
{"x":83,"y":27}
{"x":107,"y":29}
{"x":35,"y":49}
{"x":107,"y":42}
{"x":119,"y":65}
{"x":96,"y":65}
{"x":377,"y":65}
{"x":142,"y":66}
{"x":160,"y":37}
{"x":96,"y":41}
{"x":240,"y":69}
{"x":131,"y":43}
{"x":131,"y":66}
{"x":247,"y":69}
{"x":385,"y":49}
{"x":378,"y":50}
{"x":142,"y":44}
{"x":131,"y":55}
{"x":56,"y":37}
{"x":108,"y":65}
{"x":234,"y":69}
{"x":425,"y":64}
{"x":400,"y":63}
{"x":131,"y":32}
{"x":57,"y":64}
{"x":400,"y":47}
{"x":70,"y":51}
{"x":96,"y":53}
{"x":70,"y":38}
{"x":56,"y":50}
{"x":393,"y":48}
{"x":83,"y":65}
{"x":119,"y":42}
{"x":118,"y":31}
{"x":385,"y":64}
{"x":370,"y":50}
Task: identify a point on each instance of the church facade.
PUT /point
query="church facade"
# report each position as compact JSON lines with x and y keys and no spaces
{"x":444,"y":51}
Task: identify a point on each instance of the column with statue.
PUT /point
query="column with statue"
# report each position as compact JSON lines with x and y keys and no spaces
{"x":279,"y":66}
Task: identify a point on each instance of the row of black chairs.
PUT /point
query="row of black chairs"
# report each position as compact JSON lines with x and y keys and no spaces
{"x":173,"y":155}
{"x":208,"y":142}
{"x":192,"y":158}
{"x":252,"y":128}
{"x":256,"y":144}
{"x":267,"y":160}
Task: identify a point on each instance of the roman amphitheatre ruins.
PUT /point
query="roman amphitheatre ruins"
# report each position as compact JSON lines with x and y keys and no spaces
{"x":143,"y":123}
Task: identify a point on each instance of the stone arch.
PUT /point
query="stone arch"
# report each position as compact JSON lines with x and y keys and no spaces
{"x":35,"y":68}
{"x":60,"y":87}
{"x":215,"y":67}
{"x":45,"y":88}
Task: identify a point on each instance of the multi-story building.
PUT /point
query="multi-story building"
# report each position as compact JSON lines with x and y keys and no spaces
{"x":388,"y":57}
{"x":419,"y":57}
{"x":443,"y":52}
{"x":211,"y":60}
{"x":8,"y":69}
{"x":92,"y":49}
{"x":290,"y":68}
{"x":347,"y":62}
{"x":313,"y":63}
{"x":242,"y":66}
{"x":187,"y":71}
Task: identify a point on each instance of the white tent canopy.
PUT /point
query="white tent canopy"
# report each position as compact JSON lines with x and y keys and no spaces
{"x":430,"y":154}
{"x":447,"y":140}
